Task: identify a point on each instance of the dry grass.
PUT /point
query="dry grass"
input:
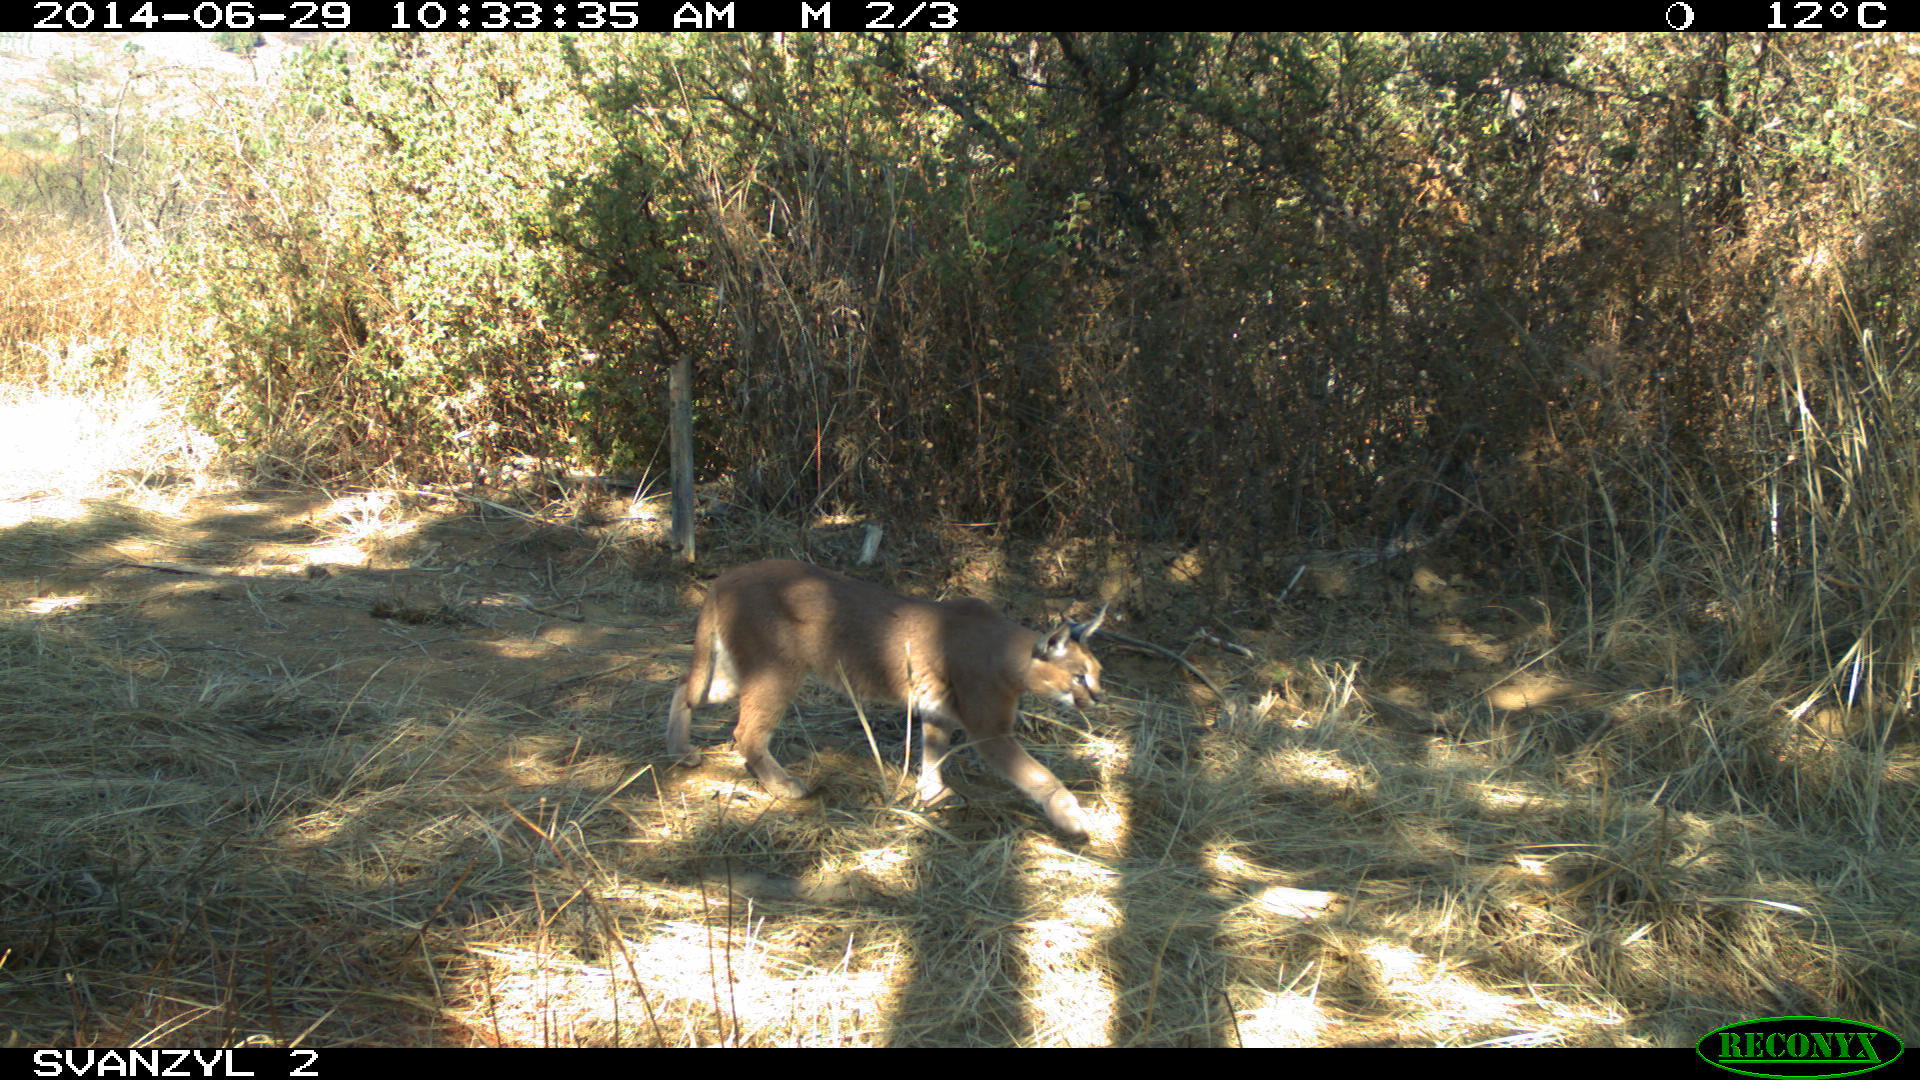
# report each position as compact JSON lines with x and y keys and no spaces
{"x":1428,"y":818}
{"x":63,"y":452}
{"x":70,"y":311}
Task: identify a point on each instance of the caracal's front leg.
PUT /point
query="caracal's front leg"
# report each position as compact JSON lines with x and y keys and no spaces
{"x":1037,"y":781}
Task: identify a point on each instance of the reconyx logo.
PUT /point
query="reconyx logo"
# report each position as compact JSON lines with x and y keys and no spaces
{"x":1800,"y":1047}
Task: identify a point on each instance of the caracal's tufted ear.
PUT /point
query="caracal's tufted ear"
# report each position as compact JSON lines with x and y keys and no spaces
{"x":1083,"y":631}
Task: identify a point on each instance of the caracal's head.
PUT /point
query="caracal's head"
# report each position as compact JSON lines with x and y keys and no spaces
{"x":1064,"y":669}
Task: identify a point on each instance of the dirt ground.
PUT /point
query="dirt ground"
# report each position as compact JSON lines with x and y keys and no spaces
{"x":383,"y":768}
{"x":457,"y":599}
{"x":459,"y":607}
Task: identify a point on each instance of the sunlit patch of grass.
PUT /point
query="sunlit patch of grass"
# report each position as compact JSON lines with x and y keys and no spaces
{"x":61,"y":452}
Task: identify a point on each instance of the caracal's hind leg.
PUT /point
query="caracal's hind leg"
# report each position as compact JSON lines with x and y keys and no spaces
{"x":763,"y":701}
{"x":936,"y":742}
{"x":710,"y":680}
{"x":679,"y":722}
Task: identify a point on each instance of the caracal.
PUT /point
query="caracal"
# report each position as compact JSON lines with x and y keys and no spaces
{"x":766,"y":625}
